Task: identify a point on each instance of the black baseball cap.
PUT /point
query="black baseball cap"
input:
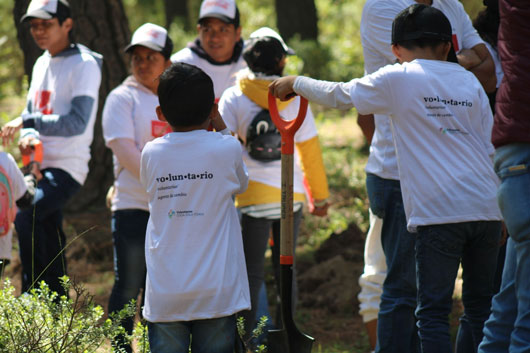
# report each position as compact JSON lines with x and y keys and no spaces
{"x":420,"y":21}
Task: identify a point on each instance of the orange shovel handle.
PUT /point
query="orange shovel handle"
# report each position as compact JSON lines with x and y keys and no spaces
{"x":287,"y":128}
{"x":35,"y":156}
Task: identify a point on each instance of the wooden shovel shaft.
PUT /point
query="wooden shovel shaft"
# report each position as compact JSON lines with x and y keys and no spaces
{"x":287,"y":222}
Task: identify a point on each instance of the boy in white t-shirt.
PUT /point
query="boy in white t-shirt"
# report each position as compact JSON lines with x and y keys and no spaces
{"x":441,"y":124}
{"x":196,"y":274}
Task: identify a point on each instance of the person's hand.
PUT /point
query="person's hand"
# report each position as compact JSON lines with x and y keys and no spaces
{"x":25,"y":145}
{"x":468,"y":58}
{"x":217,"y":121}
{"x":10,"y":129}
{"x":319,"y":208}
{"x":34,"y":168}
{"x":282,"y":88}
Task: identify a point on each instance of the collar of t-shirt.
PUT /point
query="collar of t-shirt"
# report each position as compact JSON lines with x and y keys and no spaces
{"x":75,"y":48}
{"x":196,"y":47}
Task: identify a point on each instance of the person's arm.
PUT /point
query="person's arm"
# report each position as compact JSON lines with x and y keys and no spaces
{"x":331,"y":94}
{"x":367,"y":125}
{"x":70,"y":124}
{"x":478,"y":60}
{"x":127,"y":154}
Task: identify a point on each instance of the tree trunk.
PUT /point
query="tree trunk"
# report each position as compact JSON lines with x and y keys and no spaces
{"x":297,"y":17}
{"x":177,"y":8}
{"x":102,"y":26}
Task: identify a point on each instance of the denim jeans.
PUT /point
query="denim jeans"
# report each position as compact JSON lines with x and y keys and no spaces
{"x":508,"y":328}
{"x":256,"y":233}
{"x":206,"y":336}
{"x":396,"y":325}
{"x":439,"y":251}
{"x":41,"y":238}
{"x":128,"y":233}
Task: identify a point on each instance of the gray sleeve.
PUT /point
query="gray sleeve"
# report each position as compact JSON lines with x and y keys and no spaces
{"x":66,"y":125}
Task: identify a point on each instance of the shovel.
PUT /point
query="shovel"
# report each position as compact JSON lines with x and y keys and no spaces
{"x":287,"y":339}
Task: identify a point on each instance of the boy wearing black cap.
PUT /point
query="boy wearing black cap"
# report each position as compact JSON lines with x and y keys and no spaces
{"x":441,"y":125}
{"x":61,"y":105}
{"x":244,"y":108}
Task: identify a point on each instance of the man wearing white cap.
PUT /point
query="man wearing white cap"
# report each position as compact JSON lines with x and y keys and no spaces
{"x":129,"y":122}
{"x":61,"y":105}
{"x":218,"y":47}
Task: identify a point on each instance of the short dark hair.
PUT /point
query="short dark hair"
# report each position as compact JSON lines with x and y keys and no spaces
{"x":63,"y":12}
{"x":263,"y":55}
{"x":421,"y":26}
{"x":186,"y":95}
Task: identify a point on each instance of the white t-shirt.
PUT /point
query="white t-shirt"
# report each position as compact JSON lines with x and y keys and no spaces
{"x":55,"y":82}
{"x":19,"y":189}
{"x":130,"y":113}
{"x":376,"y":38}
{"x":238,"y":111}
{"x":497,"y":61}
{"x":194,"y":248}
{"x":223,"y":76}
{"x":441,"y":123}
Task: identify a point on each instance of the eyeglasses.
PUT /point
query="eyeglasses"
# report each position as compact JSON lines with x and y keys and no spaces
{"x":43,"y":25}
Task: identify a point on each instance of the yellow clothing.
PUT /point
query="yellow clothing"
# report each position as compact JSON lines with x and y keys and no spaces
{"x":258,"y":92}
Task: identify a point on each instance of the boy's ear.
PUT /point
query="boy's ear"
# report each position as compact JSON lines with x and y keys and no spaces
{"x":396,"y":50}
{"x":160,"y":115}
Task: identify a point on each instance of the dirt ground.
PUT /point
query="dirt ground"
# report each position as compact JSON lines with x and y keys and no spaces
{"x":327,"y":280}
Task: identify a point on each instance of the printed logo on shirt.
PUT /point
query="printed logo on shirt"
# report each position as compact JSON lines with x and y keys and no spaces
{"x":462,"y":103}
{"x":185,"y":213}
{"x":159,"y":128}
{"x":42,"y":102}
{"x":445,"y":130}
{"x":180,"y":177}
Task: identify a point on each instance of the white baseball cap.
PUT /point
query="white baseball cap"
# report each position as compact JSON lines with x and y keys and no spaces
{"x":225,"y":10}
{"x":47,"y":9}
{"x":153,"y":37}
{"x":269,"y":32}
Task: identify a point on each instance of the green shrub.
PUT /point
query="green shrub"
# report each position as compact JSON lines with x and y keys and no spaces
{"x":41,"y":321}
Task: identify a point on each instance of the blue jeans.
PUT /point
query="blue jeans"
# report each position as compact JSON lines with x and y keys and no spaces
{"x":396,"y":325}
{"x":41,"y":238}
{"x":128,"y":233}
{"x":508,"y":328}
{"x":439,"y":251}
{"x":207,"y":336}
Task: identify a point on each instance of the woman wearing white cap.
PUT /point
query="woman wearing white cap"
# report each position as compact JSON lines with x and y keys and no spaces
{"x":129,"y":122}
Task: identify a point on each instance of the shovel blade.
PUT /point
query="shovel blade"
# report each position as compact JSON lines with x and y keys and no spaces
{"x":281,"y":341}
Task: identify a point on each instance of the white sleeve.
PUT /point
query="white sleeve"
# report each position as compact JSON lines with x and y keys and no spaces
{"x":331,"y":94}
{"x":227,"y":111}
{"x":117,"y":118}
{"x":17,"y":178}
{"x":241,"y":170}
{"x":469,"y":35}
{"x":86,"y":78}
{"x":372,"y":94}
{"x":143,"y":168}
